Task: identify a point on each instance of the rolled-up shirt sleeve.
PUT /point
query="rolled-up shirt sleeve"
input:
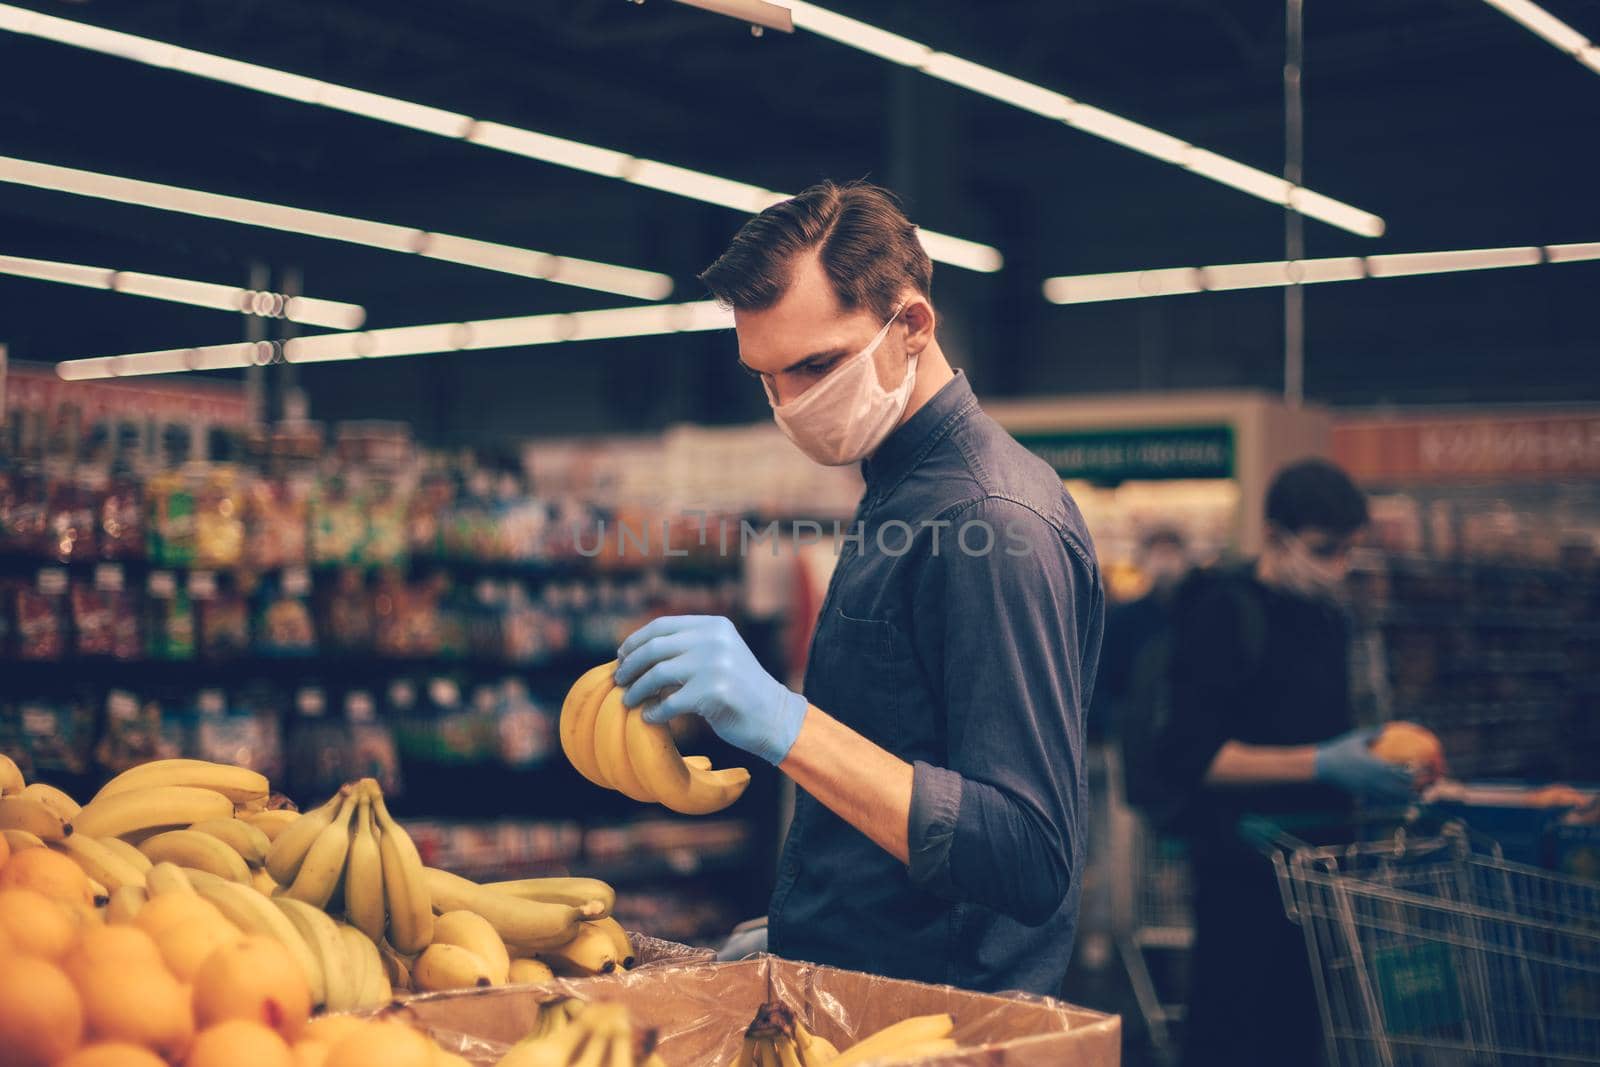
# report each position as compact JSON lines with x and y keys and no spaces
{"x":1001,"y":631}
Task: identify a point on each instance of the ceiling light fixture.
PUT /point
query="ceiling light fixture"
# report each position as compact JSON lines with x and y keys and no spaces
{"x":563,"y":270}
{"x":650,"y":320}
{"x":1103,"y":124}
{"x":679,"y":181}
{"x":1126,"y":285}
{"x":1558,"y":33}
{"x":303,"y":309}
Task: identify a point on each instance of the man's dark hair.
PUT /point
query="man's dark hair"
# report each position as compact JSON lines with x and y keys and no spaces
{"x":1315,"y":494}
{"x":866,"y":245}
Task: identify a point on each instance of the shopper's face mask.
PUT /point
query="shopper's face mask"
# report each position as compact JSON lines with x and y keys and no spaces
{"x":1314,"y":568}
{"x":846,"y":415}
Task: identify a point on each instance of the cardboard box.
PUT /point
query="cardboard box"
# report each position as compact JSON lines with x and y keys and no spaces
{"x":700,"y":1010}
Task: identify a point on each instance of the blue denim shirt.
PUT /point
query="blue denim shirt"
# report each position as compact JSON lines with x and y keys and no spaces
{"x":974,"y":661}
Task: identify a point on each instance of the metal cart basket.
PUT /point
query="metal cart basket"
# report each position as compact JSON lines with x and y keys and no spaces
{"x":1431,"y":949}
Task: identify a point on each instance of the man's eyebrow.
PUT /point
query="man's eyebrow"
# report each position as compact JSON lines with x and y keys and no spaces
{"x":826,"y":353}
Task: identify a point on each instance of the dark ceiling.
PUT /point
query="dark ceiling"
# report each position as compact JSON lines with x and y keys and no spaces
{"x":1451,"y":121}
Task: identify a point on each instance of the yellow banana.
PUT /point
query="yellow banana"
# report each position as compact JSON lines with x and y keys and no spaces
{"x":619,"y":939}
{"x":577,"y":721}
{"x":442,"y":966}
{"x":917,"y":1050}
{"x":591,"y":896}
{"x":250,"y":843}
{"x":125,"y":904}
{"x":405,"y":890}
{"x":356,"y":958}
{"x":526,"y":926}
{"x":891,"y":1039}
{"x":164,"y":878}
{"x":654,"y":757}
{"x":472,"y":931}
{"x":263,"y":882}
{"x":196,"y":851}
{"x":363,"y":876}
{"x":239,"y":785}
{"x":158,"y":807}
{"x":324,"y":863}
{"x":54,"y":799}
{"x":11,"y":780}
{"x":99,"y":862}
{"x":127,"y":852}
{"x":21,"y":839}
{"x":697,"y":763}
{"x":396,"y":968}
{"x":590,"y":952}
{"x":813,"y":1049}
{"x":289,"y":848}
{"x":272,"y":823}
{"x":341,"y":981}
{"x":30,"y":815}
{"x":611,"y":748}
{"x":529,"y":972}
{"x":255,"y":914}
{"x":376,"y":989}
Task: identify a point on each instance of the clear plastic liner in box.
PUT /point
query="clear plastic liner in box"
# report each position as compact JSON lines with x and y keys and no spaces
{"x":699,"y":1010}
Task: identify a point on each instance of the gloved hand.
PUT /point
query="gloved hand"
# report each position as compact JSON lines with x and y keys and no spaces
{"x":747,"y":939}
{"x":716,"y":677}
{"x":1347,"y":762}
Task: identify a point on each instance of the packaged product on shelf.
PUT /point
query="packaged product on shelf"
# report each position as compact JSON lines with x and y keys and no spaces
{"x":315,"y":747}
{"x":283,"y":625}
{"x":338,"y":523}
{"x":94,"y":618}
{"x":219,"y":518}
{"x":462,"y":733}
{"x":407,"y":622}
{"x":39,"y":616}
{"x":169,"y":617}
{"x":170,"y":529}
{"x":346,"y":615}
{"x":373,"y":752}
{"x":223,"y":612}
{"x":256,"y":726}
{"x":244,"y":733}
{"x":386,"y":510}
{"x":71,"y":514}
{"x":57,"y":734}
{"x":121,"y":520}
{"x":276,"y":516}
{"x":408,"y":719}
{"x":132,"y":733}
{"x":524,"y":729}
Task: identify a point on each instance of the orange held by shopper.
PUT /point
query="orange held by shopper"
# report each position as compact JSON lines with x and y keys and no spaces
{"x":1412,"y":746}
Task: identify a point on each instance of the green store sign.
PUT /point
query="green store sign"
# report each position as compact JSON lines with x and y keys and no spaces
{"x":1130,"y":455}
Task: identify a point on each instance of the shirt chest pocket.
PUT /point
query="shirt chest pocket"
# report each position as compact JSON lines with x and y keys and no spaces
{"x":863,"y":672}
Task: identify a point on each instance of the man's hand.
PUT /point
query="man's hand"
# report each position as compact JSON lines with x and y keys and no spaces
{"x":714,"y":675}
{"x":1347,"y":762}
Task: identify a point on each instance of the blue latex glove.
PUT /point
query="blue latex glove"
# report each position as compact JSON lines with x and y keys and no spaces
{"x":716,"y":677}
{"x":1347,"y":762}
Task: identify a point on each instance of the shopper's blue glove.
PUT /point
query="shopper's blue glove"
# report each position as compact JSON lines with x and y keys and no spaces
{"x":716,"y":677}
{"x":1347,"y":762}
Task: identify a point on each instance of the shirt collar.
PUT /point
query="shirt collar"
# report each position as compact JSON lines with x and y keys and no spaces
{"x":903,"y":449}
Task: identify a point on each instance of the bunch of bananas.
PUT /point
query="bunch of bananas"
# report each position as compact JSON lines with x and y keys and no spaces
{"x":572,"y":1033}
{"x":613,"y":747}
{"x":777,"y":1039}
{"x":907,"y":1041}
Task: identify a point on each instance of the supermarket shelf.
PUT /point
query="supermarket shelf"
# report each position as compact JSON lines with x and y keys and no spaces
{"x":323,"y":665}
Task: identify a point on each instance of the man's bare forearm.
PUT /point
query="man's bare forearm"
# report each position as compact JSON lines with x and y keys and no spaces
{"x":1237,"y":763}
{"x":860,"y":782}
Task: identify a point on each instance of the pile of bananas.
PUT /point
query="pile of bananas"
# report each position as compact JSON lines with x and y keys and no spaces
{"x":573,"y":1033}
{"x":613,"y":747}
{"x":777,"y":1039}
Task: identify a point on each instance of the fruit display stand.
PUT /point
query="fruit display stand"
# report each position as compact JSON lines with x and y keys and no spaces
{"x":700,"y":1010}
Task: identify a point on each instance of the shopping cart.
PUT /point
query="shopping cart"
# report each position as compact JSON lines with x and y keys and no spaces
{"x":1429,"y":948}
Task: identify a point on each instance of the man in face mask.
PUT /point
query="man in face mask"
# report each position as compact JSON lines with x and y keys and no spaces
{"x":1261,"y":723}
{"x":938,"y":745}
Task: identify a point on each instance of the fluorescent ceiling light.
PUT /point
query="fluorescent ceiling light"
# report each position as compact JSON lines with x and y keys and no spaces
{"x":1546,"y":25}
{"x":1053,"y":105}
{"x":313,"y":312}
{"x":1124,"y":285}
{"x":605,"y":277}
{"x":651,"y":320}
{"x":679,"y":181}
{"x":755,"y":12}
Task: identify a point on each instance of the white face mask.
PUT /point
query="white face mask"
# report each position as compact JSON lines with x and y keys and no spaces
{"x":847,"y":415}
{"x":1301,"y":571}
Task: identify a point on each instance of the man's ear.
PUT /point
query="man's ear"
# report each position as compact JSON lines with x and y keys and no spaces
{"x":920,"y":323}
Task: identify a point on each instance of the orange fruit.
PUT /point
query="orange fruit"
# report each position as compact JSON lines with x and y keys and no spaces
{"x":237,"y":1042}
{"x":112,"y":1054}
{"x":49,"y":873}
{"x":310,"y":1053}
{"x":5,"y":850}
{"x":385,"y":1044}
{"x":36,"y":924}
{"x":332,"y":1029}
{"x":41,"y":1015}
{"x":142,"y":1005}
{"x":161,"y":912}
{"x":256,"y":979}
{"x":110,"y":946}
{"x":186,"y":946}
